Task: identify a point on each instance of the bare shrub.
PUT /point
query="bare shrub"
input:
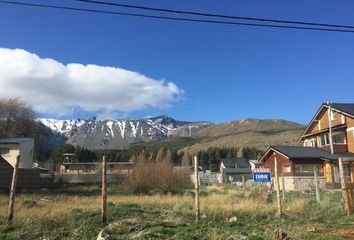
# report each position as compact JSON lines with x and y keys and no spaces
{"x":149,"y":176}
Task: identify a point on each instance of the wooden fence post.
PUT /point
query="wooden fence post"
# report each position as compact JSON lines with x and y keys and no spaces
{"x":283,"y":188}
{"x":196,"y":173}
{"x":345,"y":192}
{"x":13,"y":191}
{"x":104,"y":190}
{"x":277,"y":187}
{"x":317,"y":187}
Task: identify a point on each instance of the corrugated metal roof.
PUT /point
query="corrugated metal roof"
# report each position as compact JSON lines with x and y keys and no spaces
{"x":15,"y":140}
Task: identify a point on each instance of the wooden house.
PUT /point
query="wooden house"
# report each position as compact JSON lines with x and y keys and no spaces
{"x":328,"y":137}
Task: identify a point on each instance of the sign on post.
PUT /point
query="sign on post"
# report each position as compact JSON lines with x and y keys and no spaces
{"x":262,"y":175}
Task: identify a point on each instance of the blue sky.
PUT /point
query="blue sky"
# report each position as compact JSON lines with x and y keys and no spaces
{"x":226,"y":72}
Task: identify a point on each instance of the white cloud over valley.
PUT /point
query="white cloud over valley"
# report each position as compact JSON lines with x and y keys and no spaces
{"x":56,"y":88}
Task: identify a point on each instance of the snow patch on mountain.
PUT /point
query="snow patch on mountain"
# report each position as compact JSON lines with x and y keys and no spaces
{"x":61,"y":126}
{"x":110,"y":127}
{"x":99,"y":134}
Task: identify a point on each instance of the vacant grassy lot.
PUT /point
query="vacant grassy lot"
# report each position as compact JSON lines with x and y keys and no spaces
{"x":73,"y":213}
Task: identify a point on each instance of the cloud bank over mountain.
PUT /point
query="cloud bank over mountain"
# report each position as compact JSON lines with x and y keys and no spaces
{"x":56,"y":88}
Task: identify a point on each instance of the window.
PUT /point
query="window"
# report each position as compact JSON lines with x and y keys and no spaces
{"x":313,"y":142}
{"x":346,"y":172}
{"x":304,"y":168}
{"x":4,"y":151}
{"x":338,"y":137}
{"x":287,"y":168}
{"x":332,"y":115}
{"x":324,"y":139}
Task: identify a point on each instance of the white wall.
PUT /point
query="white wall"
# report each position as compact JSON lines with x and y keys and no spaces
{"x":13,"y":153}
{"x":26,"y":154}
{"x":25,"y":150}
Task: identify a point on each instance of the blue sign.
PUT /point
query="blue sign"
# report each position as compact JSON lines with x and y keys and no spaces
{"x":261,"y":177}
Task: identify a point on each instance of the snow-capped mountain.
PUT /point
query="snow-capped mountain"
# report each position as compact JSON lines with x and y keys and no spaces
{"x":61,"y":126}
{"x":111,"y":134}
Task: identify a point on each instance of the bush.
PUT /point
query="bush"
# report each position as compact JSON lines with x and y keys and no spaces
{"x":157,"y":177}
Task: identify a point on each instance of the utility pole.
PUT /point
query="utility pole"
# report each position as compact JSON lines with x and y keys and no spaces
{"x":196,"y":173}
{"x":277,"y":187}
{"x":104,"y":190}
{"x":330,"y":114}
{"x":13,"y":191}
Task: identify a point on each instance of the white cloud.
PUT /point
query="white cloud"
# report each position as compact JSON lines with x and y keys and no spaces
{"x":55,"y":88}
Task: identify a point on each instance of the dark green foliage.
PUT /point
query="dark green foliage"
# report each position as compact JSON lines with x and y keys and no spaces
{"x":251,"y":153}
{"x":210,"y":159}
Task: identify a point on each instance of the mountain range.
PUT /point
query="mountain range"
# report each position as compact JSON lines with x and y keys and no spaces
{"x":117,"y":134}
{"x":96,"y":133}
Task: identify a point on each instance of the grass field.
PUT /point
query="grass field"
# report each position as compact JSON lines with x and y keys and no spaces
{"x":73,"y":213}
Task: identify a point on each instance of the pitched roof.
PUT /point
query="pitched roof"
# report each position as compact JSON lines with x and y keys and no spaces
{"x":344,"y":107}
{"x":294,"y":152}
{"x":15,"y":140}
{"x":303,"y":152}
{"x":231,"y":162}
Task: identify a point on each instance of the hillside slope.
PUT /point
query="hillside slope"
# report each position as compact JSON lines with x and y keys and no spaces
{"x":248,"y":124}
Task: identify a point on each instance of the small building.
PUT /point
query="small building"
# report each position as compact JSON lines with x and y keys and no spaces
{"x":235,"y":170}
{"x":69,"y":157}
{"x":328,"y":137}
{"x":297,"y":166}
{"x":95,"y":167}
{"x":10,"y":148}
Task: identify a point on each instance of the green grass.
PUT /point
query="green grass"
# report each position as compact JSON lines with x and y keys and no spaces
{"x":172,"y":217}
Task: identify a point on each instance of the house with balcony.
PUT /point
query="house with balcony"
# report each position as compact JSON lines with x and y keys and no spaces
{"x":328,"y":137}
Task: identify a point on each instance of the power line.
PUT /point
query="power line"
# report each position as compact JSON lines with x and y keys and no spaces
{"x":214,"y":15}
{"x":173,"y":18}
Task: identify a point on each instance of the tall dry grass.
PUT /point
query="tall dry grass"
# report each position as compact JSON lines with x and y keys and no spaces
{"x":151,"y":176}
{"x":215,"y":202}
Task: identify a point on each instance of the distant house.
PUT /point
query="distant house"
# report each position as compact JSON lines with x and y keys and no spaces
{"x":254,"y":164}
{"x":94,"y":167}
{"x":10,"y":148}
{"x":69,"y":157}
{"x":328,"y":137}
{"x":235,"y":170}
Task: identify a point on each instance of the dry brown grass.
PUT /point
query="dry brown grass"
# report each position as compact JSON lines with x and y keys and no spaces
{"x":54,"y":215}
{"x":215,"y":202}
